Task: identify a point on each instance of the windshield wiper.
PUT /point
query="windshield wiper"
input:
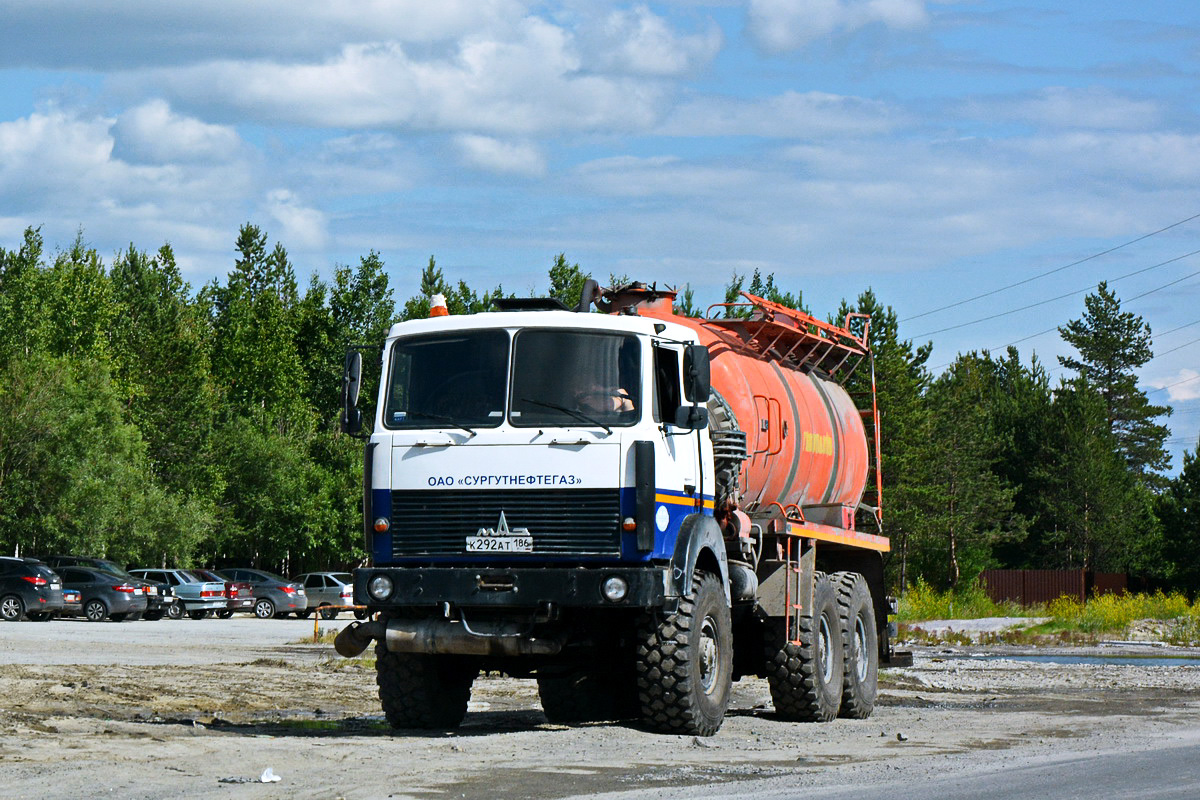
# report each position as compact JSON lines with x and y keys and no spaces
{"x":442,"y":418}
{"x":577,"y":414}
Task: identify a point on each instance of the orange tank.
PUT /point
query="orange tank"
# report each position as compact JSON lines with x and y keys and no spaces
{"x":805,"y":437}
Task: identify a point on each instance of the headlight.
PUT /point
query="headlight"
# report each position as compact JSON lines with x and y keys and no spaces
{"x":615,"y":588}
{"x":380,"y":587}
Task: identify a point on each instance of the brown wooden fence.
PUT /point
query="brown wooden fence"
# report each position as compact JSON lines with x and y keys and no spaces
{"x":1029,"y":586}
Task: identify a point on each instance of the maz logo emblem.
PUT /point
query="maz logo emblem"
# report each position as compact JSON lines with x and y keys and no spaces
{"x":502,"y":529}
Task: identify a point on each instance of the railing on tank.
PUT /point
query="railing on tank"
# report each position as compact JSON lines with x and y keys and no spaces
{"x":793,"y":338}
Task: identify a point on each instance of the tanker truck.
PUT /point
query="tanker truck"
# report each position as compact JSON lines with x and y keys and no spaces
{"x":632,"y":507}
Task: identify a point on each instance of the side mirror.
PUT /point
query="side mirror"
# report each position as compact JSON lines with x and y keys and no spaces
{"x":697,"y":380}
{"x":351,"y":383}
{"x":691,"y":418}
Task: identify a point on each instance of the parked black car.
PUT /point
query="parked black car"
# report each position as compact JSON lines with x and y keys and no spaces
{"x":28,"y":588}
{"x":157,"y":603}
{"x":104,"y":595}
{"x":274,"y":595}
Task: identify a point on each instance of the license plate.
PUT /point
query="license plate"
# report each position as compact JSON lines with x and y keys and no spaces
{"x":137,"y":591}
{"x":54,"y":586}
{"x":499,"y":544}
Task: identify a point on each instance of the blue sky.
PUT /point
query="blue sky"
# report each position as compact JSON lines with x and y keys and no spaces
{"x":933,"y":151}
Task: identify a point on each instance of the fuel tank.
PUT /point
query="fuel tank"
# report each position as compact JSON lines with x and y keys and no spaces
{"x":804,"y":436}
{"x":771,"y":379}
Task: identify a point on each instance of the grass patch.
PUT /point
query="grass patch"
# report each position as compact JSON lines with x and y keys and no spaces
{"x":1071,"y":622}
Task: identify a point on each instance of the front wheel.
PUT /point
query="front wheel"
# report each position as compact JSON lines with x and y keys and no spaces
{"x":264,"y":608}
{"x":806,"y":676}
{"x":12,"y":608}
{"x":685,"y":663}
{"x":95,"y":611}
{"x":423,"y":691}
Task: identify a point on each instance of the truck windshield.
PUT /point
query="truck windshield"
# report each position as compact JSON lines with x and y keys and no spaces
{"x":575,"y":378}
{"x":455,"y":379}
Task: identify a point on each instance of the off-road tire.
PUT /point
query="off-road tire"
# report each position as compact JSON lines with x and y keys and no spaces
{"x":423,"y":691}
{"x":12,"y":608}
{"x":95,"y":610}
{"x":176,"y":611}
{"x":806,"y":678}
{"x":588,"y":695}
{"x":860,"y":681}
{"x":684,"y":662}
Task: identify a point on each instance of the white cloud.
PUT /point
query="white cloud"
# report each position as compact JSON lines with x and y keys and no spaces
{"x":782,"y":25}
{"x":505,"y":158}
{"x":525,"y":81}
{"x":301,"y":227}
{"x":152,"y":133}
{"x":1181,"y":387}
{"x":639,"y":42}
{"x":58,"y":34}
{"x":1070,"y":108}
{"x":792,"y":115}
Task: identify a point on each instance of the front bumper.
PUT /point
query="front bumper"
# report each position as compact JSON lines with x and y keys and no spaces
{"x":576,"y":587}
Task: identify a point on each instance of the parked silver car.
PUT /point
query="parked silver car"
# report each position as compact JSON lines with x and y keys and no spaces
{"x":198,"y":598}
{"x":326,"y":592}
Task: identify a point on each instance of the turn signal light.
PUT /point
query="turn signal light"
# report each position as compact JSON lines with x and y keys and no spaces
{"x":382,"y":525}
{"x":629,"y":524}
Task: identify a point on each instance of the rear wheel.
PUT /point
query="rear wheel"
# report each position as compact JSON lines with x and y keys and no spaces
{"x":153,"y":616}
{"x":176,"y":611}
{"x":12,"y":608}
{"x":38,"y":616}
{"x":326,"y":611}
{"x":226,"y":614}
{"x":118,"y":617}
{"x":860,"y":682}
{"x":95,"y":610}
{"x":200,"y":613}
{"x":264,"y":608}
{"x":423,"y":691}
{"x":304,"y":614}
{"x":806,"y":678}
{"x":685,"y":663}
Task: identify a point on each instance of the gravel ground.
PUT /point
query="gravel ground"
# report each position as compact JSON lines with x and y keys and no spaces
{"x":198,"y":709}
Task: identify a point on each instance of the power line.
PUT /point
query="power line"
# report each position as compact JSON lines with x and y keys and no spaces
{"x":1051,"y":272}
{"x":1172,"y":385}
{"x":1077,"y":291}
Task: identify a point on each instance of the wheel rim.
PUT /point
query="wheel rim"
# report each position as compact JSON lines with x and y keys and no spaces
{"x":10,"y":608}
{"x":95,"y":611}
{"x":859,"y":650}
{"x":823,"y":644}
{"x":709,"y":655}
{"x":264,"y":609}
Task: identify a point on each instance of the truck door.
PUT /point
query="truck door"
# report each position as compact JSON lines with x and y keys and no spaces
{"x":681,"y":445}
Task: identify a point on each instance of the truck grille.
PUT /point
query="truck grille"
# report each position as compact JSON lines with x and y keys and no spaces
{"x":567,"y":521}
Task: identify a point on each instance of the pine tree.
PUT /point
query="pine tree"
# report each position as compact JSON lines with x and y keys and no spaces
{"x":1179,"y":513}
{"x":1112,"y":344}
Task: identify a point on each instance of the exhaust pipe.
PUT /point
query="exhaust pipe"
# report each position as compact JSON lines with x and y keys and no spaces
{"x":440,"y":636}
{"x":356,"y":637}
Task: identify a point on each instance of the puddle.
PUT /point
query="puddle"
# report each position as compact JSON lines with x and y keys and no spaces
{"x":1123,"y":660}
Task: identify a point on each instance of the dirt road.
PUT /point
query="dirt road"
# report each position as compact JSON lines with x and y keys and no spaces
{"x":197,"y":709}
